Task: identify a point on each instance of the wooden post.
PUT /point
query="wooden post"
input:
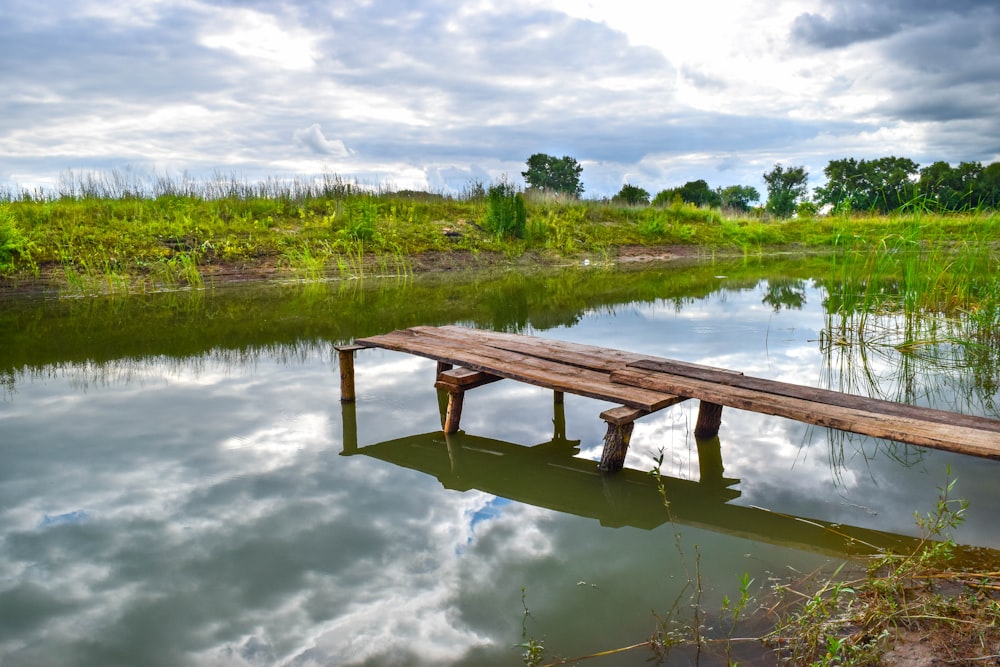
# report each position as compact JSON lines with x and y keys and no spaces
{"x":443,"y":395}
{"x":558,"y":397}
{"x":443,"y":366}
{"x":558,"y":417}
{"x":349,"y":420}
{"x":454,"y":413}
{"x":709,"y":420}
{"x":345,"y":354}
{"x":620,"y":421}
{"x":615,"y":446}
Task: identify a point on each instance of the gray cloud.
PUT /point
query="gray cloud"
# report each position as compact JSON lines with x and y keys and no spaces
{"x":856,"y":21}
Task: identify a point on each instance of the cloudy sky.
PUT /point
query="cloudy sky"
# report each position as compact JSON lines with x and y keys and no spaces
{"x":436,"y":93}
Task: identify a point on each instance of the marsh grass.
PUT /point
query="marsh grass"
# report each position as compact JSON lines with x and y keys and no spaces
{"x":911,"y":306}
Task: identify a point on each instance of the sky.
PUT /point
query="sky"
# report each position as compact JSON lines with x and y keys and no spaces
{"x":438,"y":94}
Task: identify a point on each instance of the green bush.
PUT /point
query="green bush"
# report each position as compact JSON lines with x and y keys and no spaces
{"x":13,"y":243}
{"x":506,"y":215}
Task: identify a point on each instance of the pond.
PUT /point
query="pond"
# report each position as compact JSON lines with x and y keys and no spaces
{"x":180,"y":484}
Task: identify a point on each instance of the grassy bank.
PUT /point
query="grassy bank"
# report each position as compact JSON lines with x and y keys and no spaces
{"x":100,"y":238}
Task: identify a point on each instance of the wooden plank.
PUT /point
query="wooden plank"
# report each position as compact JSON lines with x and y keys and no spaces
{"x":523,"y":368}
{"x":622,"y":415}
{"x":574,"y":354}
{"x":908,"y":430}
{"x":825,"y":396}
{"x":519,"y":367}
{"x":460,"y":377}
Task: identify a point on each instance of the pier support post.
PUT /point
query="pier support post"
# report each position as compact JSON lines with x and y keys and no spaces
{"x":620,"y":421}
{"x":345,"y":354}
{"x":709,"y":420}
{"x":453,"y":416}
{"x":616,"y":442}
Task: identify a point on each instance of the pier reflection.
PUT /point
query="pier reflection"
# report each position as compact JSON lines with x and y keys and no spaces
{"x":550,"y":475}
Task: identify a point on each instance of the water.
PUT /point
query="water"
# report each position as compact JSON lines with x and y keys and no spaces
{"x":181,"y":486}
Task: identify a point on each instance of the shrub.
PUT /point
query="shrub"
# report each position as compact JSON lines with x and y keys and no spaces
{"x":506,"y":215}
{"x":12,"y":242}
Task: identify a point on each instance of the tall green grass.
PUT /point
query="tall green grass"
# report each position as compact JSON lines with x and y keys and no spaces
{"x":913,"y":307}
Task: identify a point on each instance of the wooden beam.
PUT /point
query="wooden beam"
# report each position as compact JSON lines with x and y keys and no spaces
{"x":623,"y":415}
{"x":464,"y":379}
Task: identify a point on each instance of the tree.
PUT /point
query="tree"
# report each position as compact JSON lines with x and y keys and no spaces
{"x":784,"y":188}
{"x":988,"y":186}
{"x":692,"y":192}
{"x":738,"y":197}
{"x":668,"y":197}
{"x":699,"y":194}
{"x":884,"y":185}
{"x":552,"y":174}
{"x":631,"y":195}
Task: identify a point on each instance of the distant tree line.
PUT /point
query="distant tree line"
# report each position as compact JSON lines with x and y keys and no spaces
{"x":881,"y":185}
{"x":891,"y":183}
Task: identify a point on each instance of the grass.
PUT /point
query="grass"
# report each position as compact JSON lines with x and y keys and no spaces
{"x":167,"y":234}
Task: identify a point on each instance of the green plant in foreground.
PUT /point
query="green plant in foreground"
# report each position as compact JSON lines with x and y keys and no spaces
{"x":856,"y":623}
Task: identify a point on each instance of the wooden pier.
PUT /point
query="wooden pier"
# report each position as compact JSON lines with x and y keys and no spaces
{"x":641,"y":384}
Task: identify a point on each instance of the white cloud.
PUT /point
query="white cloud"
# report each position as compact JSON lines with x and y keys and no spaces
{"x":259,"y":36}
{"x":312,"y":138}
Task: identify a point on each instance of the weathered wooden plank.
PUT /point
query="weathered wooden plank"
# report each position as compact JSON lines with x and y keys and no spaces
{"x":574,"y":354}
{"x":825,"y":396}
{"x":520,"y":367}
{"x":463,"y":377}
{"x":908,"y":430}
{"x":622,"y":415}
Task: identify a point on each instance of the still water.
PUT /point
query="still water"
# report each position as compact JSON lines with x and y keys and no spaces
{"x":179,"y":484}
